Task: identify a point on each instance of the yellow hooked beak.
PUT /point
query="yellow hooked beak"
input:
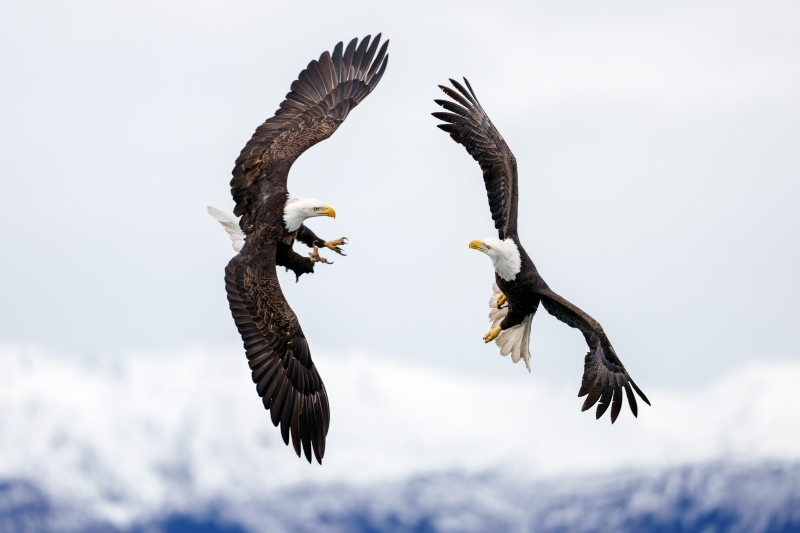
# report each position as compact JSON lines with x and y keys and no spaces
{"x":328,"y":211}
{"x":477,"y":244}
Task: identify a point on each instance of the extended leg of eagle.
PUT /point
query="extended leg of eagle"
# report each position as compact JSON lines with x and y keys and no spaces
{"x":286,"y":257}
{"x":492,"y":334}
{"x":334,"y":245}
{"x":307,"y":237}
{"x":513,"y":318}
{"x":316,"y":258}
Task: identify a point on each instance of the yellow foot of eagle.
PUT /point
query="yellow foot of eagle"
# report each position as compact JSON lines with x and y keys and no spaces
{"x":316,"y":258}
{"x":500,"y":300}
{"x":492,"y":334}
{"x":334,"y":245}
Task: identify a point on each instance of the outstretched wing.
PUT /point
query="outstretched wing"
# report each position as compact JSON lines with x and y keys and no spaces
{"x":320,"y":100}
{"x":468,"y":124}
{"x":604,"y":376}
{"x":279,"y":357}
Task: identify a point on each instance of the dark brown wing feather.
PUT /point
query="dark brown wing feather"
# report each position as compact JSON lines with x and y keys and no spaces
{"x":468,"y":124}
{"x":279,"y":357}
{"x":604,"y":376}
{"x":319,"y":101}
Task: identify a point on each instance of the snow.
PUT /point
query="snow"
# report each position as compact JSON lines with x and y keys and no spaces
{"x":151,"y":433}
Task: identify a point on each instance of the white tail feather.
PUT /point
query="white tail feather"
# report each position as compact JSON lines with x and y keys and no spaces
{"x":513,"y":341}
{"x":231,"y":225}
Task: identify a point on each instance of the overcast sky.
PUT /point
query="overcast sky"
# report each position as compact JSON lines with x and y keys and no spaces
{"x":657,"y":150}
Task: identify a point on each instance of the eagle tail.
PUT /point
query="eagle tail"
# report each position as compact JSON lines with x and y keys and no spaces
{"x":231,"y":225}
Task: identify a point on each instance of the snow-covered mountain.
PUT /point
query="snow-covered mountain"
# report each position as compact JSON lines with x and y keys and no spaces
{"x":714,"y":497}
{"x":180,"y":442}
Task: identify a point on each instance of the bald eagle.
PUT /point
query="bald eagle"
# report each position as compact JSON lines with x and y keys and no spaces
{"x":518,"y":284}
{"x":271,"y":220}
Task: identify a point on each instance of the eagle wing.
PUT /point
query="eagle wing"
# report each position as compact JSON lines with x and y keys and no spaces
{"x":468,"y":124}
{"x":604,"y":376}
{"x":319,"y":101}
{"x":285,"y":376}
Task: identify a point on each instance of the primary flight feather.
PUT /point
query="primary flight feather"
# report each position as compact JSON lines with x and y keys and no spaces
{"x":271,"y":220}
{"x":518,"y":284}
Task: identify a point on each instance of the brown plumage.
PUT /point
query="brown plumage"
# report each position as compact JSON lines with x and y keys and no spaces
{"x":277,"y":350}
{"x":604,"y":376}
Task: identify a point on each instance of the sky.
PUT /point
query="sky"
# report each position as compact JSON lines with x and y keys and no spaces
{"x":656,"y":149}
{"x":658,"y":164}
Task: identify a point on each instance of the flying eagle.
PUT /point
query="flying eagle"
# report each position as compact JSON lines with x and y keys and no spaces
{"x":518,"y":283}
{"x":271,"y":220}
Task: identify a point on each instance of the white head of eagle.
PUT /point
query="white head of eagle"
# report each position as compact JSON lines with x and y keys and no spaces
{"x":505,"y":256}
{"x":297,"y":210}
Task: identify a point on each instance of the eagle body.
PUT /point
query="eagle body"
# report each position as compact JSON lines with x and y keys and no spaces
{"x":519,"y":289}
{"x":522,"y":292}
{"x":271,"y":221}
{"x":269,"y":229}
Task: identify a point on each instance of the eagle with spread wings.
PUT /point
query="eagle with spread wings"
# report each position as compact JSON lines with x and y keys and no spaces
{"x":518,"y":288}
{"x":271,"y":220}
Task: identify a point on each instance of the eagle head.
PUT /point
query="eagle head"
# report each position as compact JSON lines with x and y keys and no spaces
{"x":297,"y":210}
{"x":504,"y":254}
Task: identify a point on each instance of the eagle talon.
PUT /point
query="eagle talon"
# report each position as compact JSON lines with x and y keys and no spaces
{"x":500,"y":300}
{"x":316,"y":258}
{"x":334,"y":245}
{"x":492,"y":334}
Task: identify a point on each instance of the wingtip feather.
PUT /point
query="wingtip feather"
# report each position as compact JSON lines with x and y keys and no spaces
{"x":616,"y":404}
{"x":641,"y":394}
